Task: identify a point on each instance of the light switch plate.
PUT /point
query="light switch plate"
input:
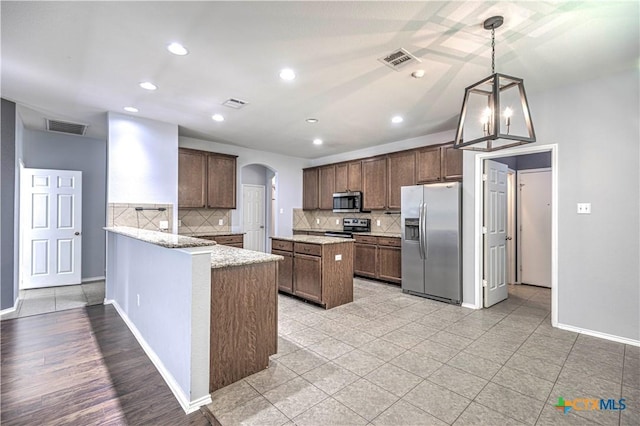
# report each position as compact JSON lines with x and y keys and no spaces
{"x":281,"y":211}
{"x":164,"y":224}
{"x":584,"y":208}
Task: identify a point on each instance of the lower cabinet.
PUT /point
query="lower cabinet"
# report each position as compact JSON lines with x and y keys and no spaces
{"x":320,"y":273}
{"x":378,"y":258}
{"x":226,"y":240}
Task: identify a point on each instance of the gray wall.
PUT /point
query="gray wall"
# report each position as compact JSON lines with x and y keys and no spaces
{"x":8,"y":294}
{"x":45,"y":150}
{"x":539,"y":160}
{"x":596,"y":126}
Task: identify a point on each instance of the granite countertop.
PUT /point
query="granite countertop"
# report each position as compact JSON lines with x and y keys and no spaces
{"x":210,"y":234}
{"x":162,"y":239}
{"x":225,"y":256}
{"x":373,"y":233}
{"x":312,"y":239}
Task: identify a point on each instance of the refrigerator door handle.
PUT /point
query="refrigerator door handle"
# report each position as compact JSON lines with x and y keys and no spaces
{"x":420,"y":246}
{"x":423,"y":237}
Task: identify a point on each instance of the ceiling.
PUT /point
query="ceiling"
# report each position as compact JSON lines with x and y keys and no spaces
{"x":74,"y":61}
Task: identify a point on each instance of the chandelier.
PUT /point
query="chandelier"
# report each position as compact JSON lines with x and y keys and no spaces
{"x":495,"y":113}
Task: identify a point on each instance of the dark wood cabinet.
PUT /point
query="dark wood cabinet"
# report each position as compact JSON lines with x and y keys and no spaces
{"x":308,"y":277}
{"x":378,"y":258}
{"x":402,"y":172}
{"x":285,"y":270}
{"x":374,"y":183}
{"x":321,"y":273}
{"x":327,"y":186}
{"x":230,"y":240}
{"x":192,"y":178}
{"x":342,"y":177}
{"x":349,"y":176}
{"x":221,"y":181}
{"x":206,"y":179}
{"x":429,"y":165}
{"x":451,"y":163}
{"x":310,"y":189}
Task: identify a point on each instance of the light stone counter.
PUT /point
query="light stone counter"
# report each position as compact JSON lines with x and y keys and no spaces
{"x":210,"y":234}
{"x":224,"y":256}
{"x":162,"y":239}
{"x":312,"y":239}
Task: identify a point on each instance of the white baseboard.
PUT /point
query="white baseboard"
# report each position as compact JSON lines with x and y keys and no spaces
{"x":90,"y":279}
{"x":187,"y":405}
{"x":599,"y":334}
{"x":11,"y":309}
{"x":470,"y":306}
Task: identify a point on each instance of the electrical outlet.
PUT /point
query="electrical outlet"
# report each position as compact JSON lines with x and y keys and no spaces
{"x":281,"y":211}
{"x":378,"y":222}
{"x":584,"y":208}
{"x":338,"y":257}
{"x":337,"y":221}
{"x":220,"y":222}
{"x":318,"y":221}
{"x":164,"y":224}
{"x":179,"y":222}
{"x":138,"y":297}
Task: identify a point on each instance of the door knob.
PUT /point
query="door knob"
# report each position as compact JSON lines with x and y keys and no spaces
{"x":508,"y":238}
{"x":76,"y":233}
{"x":261,"y":226}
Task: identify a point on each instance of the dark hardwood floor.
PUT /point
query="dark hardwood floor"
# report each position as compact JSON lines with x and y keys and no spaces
{"x":82,"y":366}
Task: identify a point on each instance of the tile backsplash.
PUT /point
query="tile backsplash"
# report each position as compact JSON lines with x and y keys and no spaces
{"x":325,"y":219}
{"x":203,"y":220}
{"x":125,"y":214}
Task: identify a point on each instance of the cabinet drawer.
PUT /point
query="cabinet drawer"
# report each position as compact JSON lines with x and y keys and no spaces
{"x":389,"y":241}
{"x":365,"y":239}
{"x":282,"y":245}
{"x":311,"y":249}
{"x":229,"y":239}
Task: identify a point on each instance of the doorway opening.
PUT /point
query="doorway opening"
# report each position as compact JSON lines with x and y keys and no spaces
{"x":258,"y":204}
{"x":550,"y":151}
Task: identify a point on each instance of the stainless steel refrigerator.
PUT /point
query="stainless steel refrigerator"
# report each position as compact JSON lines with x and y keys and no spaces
{"x":431,"y":241}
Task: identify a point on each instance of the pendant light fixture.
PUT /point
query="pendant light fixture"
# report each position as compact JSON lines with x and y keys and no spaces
{"x":495,"y":113}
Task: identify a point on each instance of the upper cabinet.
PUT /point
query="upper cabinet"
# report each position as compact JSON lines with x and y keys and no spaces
{"x":206,"y":179}
{"x":192,"y":178}
{"x":380,"y":178}
{"x":374,"y":183}
{"x":327,"y":179}
{"x":310,"y":189}
{"x":402,"y":172}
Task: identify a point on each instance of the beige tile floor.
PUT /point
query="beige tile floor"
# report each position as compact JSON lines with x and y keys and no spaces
{"x":51,"y":299}
{"x":394,"y":359}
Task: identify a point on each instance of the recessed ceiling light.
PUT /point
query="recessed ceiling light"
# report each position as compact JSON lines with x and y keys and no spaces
{"x":217,"y":117}
{"x":177,"y":49}
{"x":312,"y":120}
{"x":148,"y":85}
{"x":287,"y":74}
{"x":317,"y":141}
{"x":417,"y":74}
{"x":397,"y":119}
{"x":131,"y":109}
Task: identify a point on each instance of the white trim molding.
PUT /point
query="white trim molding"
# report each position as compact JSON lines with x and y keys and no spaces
{"x":469,"y":306}
{"x":11,"y":309}
{"x":91,"y":279}
{"x":599,"y":334}
{"x":187,"y":405}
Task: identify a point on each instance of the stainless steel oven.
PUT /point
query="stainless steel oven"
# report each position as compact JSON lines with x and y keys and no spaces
{"x":347,"y":202}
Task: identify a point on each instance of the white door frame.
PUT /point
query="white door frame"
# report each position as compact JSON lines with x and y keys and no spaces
{"x":478,"y":219}
{"x":512,"y":273}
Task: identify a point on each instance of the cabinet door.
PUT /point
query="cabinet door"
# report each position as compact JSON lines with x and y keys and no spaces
{"x":221,"y":182}
{"x":429,"y":165}
{"x":342,"y":177}
{"x":285,"y":271}
{"x":192,"y":178}
{"x":327,"y":176}
{"x":374,"y":183}
{"x":451,"y":163}
{"x":307,"y":282}
{"x":390,"y":264}
{"x":310,"y":189}
{"x":354,"y":176}
{"x":401,"y":172}
{"x":365,"y":260}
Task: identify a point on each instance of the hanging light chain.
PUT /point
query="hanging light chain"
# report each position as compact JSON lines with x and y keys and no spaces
{"x":493,"y":49}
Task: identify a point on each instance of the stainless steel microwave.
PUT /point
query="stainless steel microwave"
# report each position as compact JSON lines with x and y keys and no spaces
{"x":347,"y":202}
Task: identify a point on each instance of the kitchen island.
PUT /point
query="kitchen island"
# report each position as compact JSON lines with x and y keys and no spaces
{"x":205,"y":314}
{"x":315,"y":268}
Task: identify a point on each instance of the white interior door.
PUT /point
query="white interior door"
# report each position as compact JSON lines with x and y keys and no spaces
{"x":51,"y":210}
{"x":253,"y":217}
{"x":495,"y":237}
{"x":534,"y":217}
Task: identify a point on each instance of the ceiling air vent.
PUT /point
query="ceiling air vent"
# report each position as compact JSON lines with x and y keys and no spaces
{"x":234,"y":103}
{"x":398,"y":59}
{"x":66,"y":127}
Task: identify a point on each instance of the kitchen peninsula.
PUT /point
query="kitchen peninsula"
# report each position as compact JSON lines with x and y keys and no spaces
{"x":316,"y":268}
{"x":205,"y":314}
